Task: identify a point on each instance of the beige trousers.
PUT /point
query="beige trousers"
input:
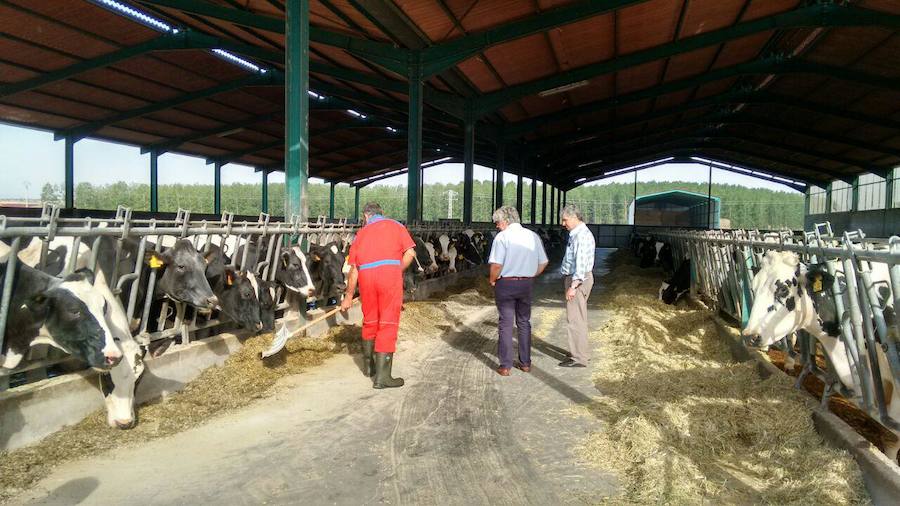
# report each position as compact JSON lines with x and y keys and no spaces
{"x":576,"y":314}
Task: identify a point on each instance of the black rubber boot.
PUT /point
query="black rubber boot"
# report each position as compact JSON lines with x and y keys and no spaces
{"x":383,"y":377}
{"x":368,"y":347}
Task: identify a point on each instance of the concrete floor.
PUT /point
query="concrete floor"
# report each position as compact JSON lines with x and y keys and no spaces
{"x":457,"y":433}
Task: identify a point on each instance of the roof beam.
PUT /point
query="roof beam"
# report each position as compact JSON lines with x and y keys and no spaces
{"x":82,"y":131}
{"x":813,"y":16}
{"x":446,"y":55}
{"x":237,"y":155}
{"x":168,"y":145}
{"x":387,"y":55}
{"x":355,"y":145}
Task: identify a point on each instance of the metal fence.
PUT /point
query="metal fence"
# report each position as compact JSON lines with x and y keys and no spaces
{"x":723,"y":264}
{"x":84,"y":237}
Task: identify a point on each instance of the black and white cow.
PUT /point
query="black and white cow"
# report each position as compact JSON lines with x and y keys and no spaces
{"x":267,"y":294}
{"x":183,"y":276}
{"x":327,"y":269}
{"x":293,"y":272}
{"x":791,"y":296}
{"x":680,"y":282}
{"x":66,"y":313}
{"x":467,"y":254}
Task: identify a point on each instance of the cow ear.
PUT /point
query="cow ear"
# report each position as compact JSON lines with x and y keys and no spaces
{"x":285,"y":258}
{"x":210,"y":255}
{"x":81,"y":275}
{"x":819,"y":280}
{"x":156,"y":260}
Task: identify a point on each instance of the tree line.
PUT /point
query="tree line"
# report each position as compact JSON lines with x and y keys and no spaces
{"x":744,"y":207}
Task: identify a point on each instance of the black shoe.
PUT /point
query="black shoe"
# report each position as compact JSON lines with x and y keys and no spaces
{"x":368,"y":348}
{"x":383,"y":377}
{"x":567,"y":361}
{"x":571,"y":363}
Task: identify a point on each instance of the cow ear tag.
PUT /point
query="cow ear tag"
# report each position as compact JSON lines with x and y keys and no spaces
{"x":155,"y":262}
{"x":817,"y":284}
{"x":229,"y":278}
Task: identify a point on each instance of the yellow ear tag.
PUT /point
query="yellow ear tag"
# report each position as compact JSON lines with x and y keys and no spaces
{"x":156,"y":262}
{"x":229,"y":279}
{"x":817,"y":284}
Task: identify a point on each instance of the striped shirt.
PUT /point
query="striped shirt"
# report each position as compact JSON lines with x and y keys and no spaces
{"x":579,"y":259}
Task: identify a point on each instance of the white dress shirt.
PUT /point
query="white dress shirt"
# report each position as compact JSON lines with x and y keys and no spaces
{"x":518,"y":250}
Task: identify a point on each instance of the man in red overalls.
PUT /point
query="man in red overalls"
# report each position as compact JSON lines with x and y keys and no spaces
{"x":378,"y":256}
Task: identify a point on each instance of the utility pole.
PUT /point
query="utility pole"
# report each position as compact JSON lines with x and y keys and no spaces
{"x":450,"y":195}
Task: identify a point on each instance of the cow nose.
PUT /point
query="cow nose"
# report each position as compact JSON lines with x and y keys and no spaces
{"x":748,"y":332}
{"x":259,"y":326}
{"x":113,"y":360}
{"x":125,"y":424}
{"x":213,"y":301}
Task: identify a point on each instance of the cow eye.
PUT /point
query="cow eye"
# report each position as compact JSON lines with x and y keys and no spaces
{"x":180,"y":267}
{"x":75,"y":313}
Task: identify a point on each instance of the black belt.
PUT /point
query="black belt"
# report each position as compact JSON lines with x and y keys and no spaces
{"x":516,"y":278}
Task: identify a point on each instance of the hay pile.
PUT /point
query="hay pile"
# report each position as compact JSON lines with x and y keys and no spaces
{"x":426,"y":319}
{"x":240,"y":380}
{"x":684,"y":424}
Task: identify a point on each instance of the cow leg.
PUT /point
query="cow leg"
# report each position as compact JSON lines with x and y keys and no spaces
{"x":804,"y":372}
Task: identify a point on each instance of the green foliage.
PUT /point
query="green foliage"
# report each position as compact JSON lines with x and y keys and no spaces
{"x":745,"y":207}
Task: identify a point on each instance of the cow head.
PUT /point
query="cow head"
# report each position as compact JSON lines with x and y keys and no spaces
{"x":74,"y":320}
{"x":265,"y":292}
{"x":425,"y":255}
{"x":442,"y":245}
{"x":119,"y":384}
{"x":328,"y":264}
{"x":466,"y":249}
{"x":780,"y":303}
{"x":238,"y":300}
{"x":818,"y":285}
{"x":293,"y":272}
{"x":184,"y":277}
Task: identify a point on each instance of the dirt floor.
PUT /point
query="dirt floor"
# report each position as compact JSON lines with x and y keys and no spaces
{"x":457,"y":433}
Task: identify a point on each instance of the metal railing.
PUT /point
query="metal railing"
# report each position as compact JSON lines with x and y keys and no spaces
{"x":723,"y":264}
{"x":131,"y":239}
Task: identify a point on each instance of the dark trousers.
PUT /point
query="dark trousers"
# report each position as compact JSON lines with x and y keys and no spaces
{"x":513,"y":297}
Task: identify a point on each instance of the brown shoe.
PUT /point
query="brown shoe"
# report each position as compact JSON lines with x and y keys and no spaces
{"x":523,"y":367}
{"x":503,"y":371}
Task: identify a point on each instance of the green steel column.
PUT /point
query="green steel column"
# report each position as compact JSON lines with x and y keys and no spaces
{"x":534,"y":200}
{"x":331,"y":201}
{"x":468,"y":164}
{"x":828,"y":198}
{"x":806,"y":200}
{"x":558,"y":205}
{"x":70,"y":173}
{"x":414,"y":144}
{"x":854,"y":202}
{"x":154,"y":181}
{"x":543,"y":203}
{"x":356,"y":204}
{"x":501,"y":165}
{"x":217,"y":190}
{"x":519,"y":194}
{"x":552,"y":205}
{"x":889,"y":189}
{"x":564,"y":196}
{"x":265,"y":191}
{"x":296,"y":100}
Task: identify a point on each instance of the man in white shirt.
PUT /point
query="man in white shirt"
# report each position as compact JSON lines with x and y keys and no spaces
{"x":577,"y":267}
{"x":517,"y":257}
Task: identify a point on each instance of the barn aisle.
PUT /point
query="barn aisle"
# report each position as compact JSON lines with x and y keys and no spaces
{"x":457,"y":433}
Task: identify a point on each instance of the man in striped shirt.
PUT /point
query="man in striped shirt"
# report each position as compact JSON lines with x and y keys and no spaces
{"x":577,"y":267}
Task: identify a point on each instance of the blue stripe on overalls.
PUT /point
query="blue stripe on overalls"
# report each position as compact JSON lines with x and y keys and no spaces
{"x":378,"y":263}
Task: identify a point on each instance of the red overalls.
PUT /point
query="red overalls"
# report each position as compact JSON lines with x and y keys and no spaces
{"x":376,"y":253}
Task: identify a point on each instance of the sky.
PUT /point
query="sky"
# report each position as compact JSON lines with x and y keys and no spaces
{"x":30,"y":158}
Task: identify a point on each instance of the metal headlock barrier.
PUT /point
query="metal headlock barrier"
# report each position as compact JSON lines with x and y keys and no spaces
{"x":131,"y":239}
{"x":723,"y":264}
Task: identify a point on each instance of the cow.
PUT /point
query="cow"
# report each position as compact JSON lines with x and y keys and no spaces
{"x":183,"y":276}
{"x":66,"y":313}
{"x":425,"y":256}
{"x":649,"y":252}
{"x":293,"y":272}
{"x":665,"y":258}
{"x":680,"y":282}
{"x":789,"y":296}
{"x":326,"y":267}
{"x":266,"y":293}
{"x":466,"y":251}
{"x":237,"y":297}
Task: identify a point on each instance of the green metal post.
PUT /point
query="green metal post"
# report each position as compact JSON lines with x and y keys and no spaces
{"x":356,"y":204}
{"x":534,"y":200}
{"x":468,"y":165}
{"x":854,"y":202}
{"x":331,"y":201}
{"x":70,"y":173}
{"x":544,"y":203}
{"x":501,"y":164}
{"x":414,"y":144}
{"x":296,"y":99}
{"x":806,"y":200}
{"x":828,"y":198}
{"x":889,"y":189}
{"x":217,"y":190}
{"x":154,"y":181}
{"x":519,"y":194}
{"x":552,"y":205}
{"x":265,"y":191}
